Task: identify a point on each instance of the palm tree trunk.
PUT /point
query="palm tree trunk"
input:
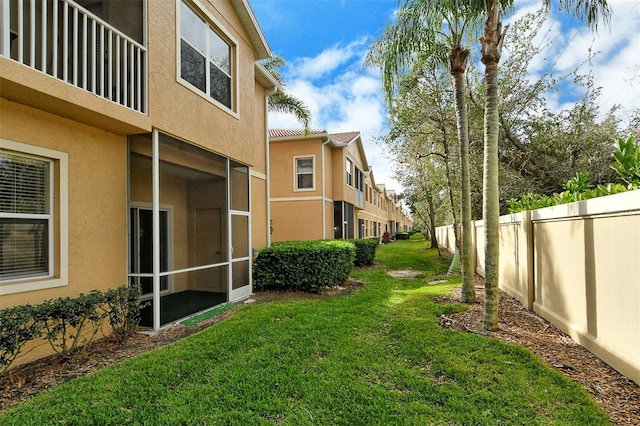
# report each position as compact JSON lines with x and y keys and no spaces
{"x":458,"y":64}
{"x":491,"y":48}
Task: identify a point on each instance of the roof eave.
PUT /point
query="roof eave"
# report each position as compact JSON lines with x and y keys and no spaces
{"x":250,"y":23}
{"x":266,"y":79}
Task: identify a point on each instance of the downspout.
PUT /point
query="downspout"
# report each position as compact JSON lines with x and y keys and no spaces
{"x":268,"y":161}
{"x":324,"y":208}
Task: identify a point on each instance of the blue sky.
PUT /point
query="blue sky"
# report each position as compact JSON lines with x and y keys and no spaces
{"x":325,"y":41}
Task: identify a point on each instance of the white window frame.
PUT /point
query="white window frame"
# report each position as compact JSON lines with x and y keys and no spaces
{"x":58,"y":247}
{"x":295,"y":172}
{"x":349,"y":170}
{"x":214,"y":26}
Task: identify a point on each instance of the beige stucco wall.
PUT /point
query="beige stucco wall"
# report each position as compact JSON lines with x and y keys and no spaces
{"x":259,"y":226}
{"x":339,"y":178}
{"x":97,"y":191}
{"x":298,"y":220}
{"x":282,"y":166}
{"x":297,"y":215}
{"x":182,"y":112}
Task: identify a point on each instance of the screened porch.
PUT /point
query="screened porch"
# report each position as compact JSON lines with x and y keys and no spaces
{"x":189,"y":228}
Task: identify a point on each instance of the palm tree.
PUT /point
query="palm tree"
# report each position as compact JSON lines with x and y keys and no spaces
{"x":590,"y":11}
{"x":436,"y":29}
{"x":281,"y":101}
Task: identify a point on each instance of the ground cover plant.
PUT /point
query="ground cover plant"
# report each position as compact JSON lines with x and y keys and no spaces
{"x":375,"y":356}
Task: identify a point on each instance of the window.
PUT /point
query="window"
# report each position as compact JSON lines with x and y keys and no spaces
{"x":205,"y":57}
{"x":359,"y":180}
{"x":349,"y":172}
{"x":25,"y":203}
{"x":304,"y":173}
{"x":32,"y":225}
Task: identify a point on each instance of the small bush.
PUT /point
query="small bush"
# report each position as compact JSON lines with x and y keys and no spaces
{"x":386,"y":237}
{"x":18,"y":326}
{"x":365,"y":250}
{"x":627,"y":162}
{"x":71,"y":323}
{"x":304,"y":265}
{"x":122,"y":306}
{"x":67,"y":323}
{"x":402,"y":235}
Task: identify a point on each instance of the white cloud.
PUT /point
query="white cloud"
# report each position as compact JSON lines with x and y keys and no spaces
{"x":328,"y":60}
{"x":615,"y":67}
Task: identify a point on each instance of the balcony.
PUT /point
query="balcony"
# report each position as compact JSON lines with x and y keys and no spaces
{"x":95,"y":45}
{"x":359,"y":198}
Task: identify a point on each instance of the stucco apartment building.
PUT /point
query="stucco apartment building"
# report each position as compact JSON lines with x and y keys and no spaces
{"x":323,"y":188}
{"x":133,"y":150}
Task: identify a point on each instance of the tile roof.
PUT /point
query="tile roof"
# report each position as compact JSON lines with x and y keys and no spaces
{"x":344,"y":137}
{"x":283,"y":133}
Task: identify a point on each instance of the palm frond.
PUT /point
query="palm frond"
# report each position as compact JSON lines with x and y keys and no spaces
{"x":589,"y":11}
{"x":287,"y":104}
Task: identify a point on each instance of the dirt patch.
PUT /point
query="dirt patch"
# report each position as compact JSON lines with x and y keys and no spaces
{"x":407,"y":274}
{"x":25,"y":381}
{"x":612,"y":391}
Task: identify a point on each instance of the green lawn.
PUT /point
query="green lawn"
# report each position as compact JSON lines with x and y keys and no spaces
{"x":374,"y":357}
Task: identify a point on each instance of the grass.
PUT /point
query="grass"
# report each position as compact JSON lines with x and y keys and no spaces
{"x":374,"y":357}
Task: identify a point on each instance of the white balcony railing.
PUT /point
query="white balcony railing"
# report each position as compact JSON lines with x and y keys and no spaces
{"x":64,"y":40}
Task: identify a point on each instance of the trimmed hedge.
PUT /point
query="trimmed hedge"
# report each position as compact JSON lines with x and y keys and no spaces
{"x":402,"y":235}
{"x":68,"y":324}
{"x":365,"y":250}
{"x":304,"y":265}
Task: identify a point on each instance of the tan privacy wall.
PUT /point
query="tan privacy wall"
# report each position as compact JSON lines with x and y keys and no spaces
{"x":578,"y":266}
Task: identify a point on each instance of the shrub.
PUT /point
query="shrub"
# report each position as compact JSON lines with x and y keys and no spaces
{"x":71,"y":323}
{"x":365,"y":250}
{"x":578,"y":188}
{"x":68,"y":324}
{"x":122,"y":306}
{"x":627,"y":162}
{"x":386,"y":237}
{"x":304,"y":265}
{"x":18,"y":326}
{"x":402,"y":235}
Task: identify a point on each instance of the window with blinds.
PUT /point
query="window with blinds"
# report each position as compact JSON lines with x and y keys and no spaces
{"x":25,"y":217}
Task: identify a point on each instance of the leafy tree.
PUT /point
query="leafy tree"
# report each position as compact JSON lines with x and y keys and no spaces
{"x":423,"y":130}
